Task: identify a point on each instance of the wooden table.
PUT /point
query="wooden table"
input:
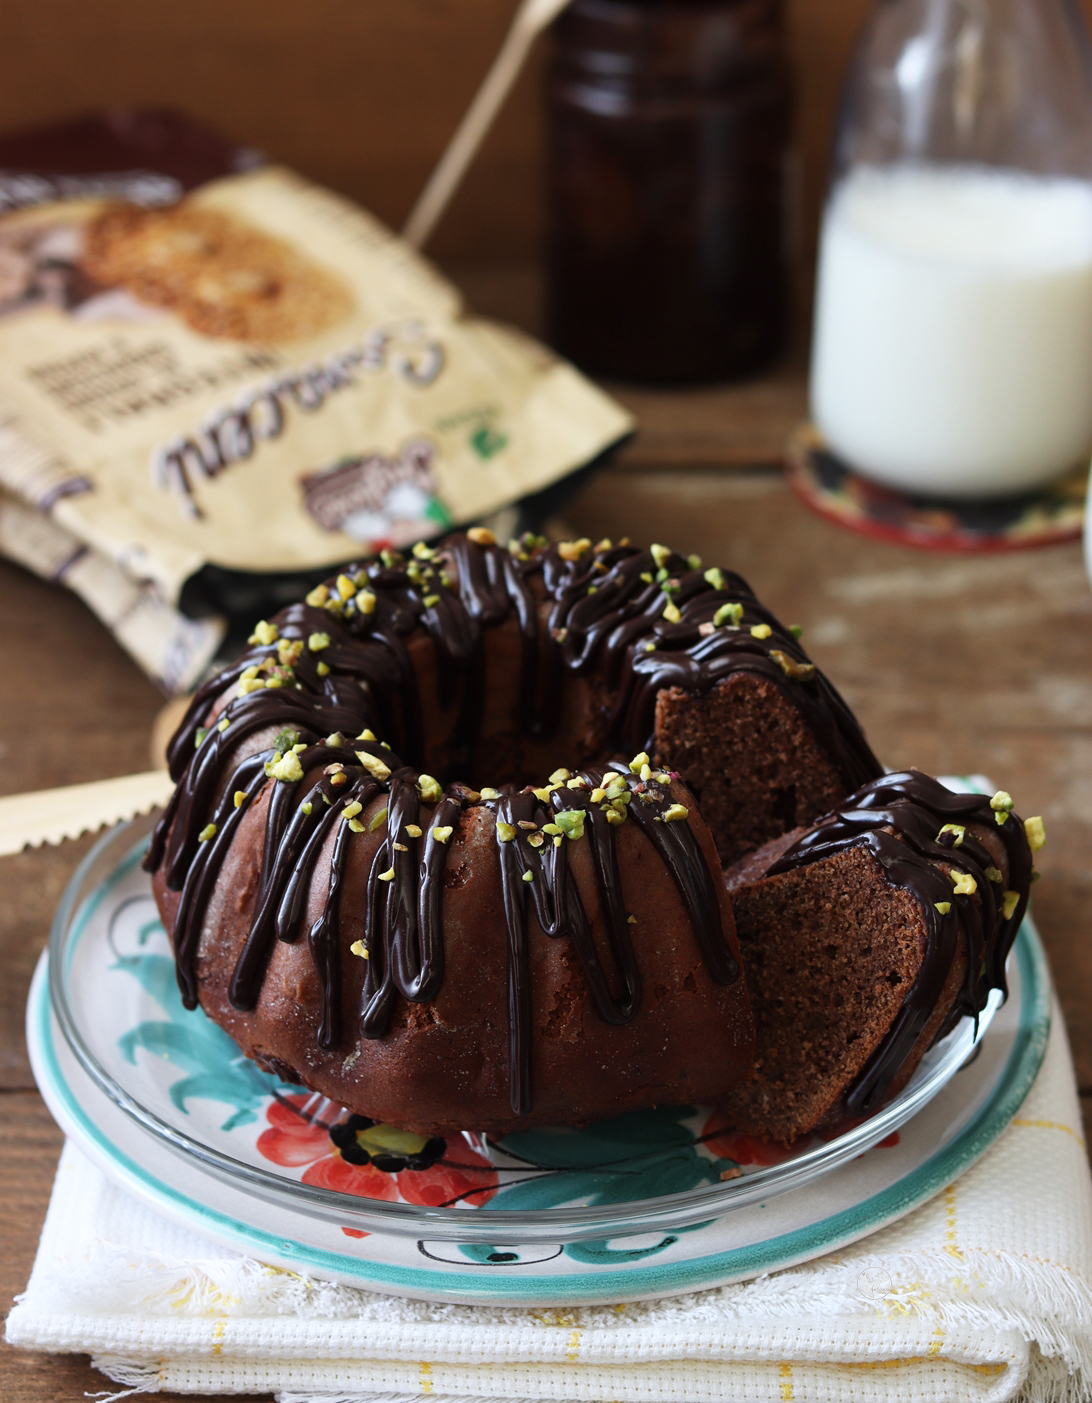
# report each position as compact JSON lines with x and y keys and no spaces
{"x":953,"y":663}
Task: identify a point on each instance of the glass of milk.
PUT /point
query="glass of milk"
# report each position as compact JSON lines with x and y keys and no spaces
{"x":952,"y":349}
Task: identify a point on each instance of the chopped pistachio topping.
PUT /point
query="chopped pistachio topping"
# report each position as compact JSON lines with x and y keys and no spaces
{"x":573,"y":550}
{"x":674,"y":812}
{"x":488,"y":793}
{"x":366,"y":601}
{"x":715,"y":578}
{"x":598,"y":795}
{"x":535,"y":839}
{"x":505,"y":831}
{"x":799,"y":672}
{"x":635,"y":765}
{"x":264,"y":634}
{"x":481,"y":536}
{"x":289,"y":651}
{"x":646,"y":575}
{"x":1009,"y":902}
{"x":367,"y":734}
{"x":1001,"y":800}
{"x":944,"y":907}
{"x":401,"y":848}
{"x":248,"y":685}
{"x":202,"y":732}
{"x":351,"y":810}
{"x":571,"y":823}
{"x":958,"y":832}
{"x":345,"y":587}
{"x":558,"y":840}
{"x":357,"y":948}
{"x":442,"y":832}
{"x":239,"y":798}
{"x":577,"y":782}
{"x":317,"y":641}
{"x":662,"y":777}
{"x":287,"y":768}
{"x":761,"y":630}
{"x":543,"y":794}
{"x":306,"y":807}
{"x":377,"y":821}
{"x":616,"y":816}
{"x":646,"y":772}
{"x":631,"y":920}
{"x":694,"y":561}
{"x":374,"y":766}
{"x":335,"y":605}
{"x":1002,"y":816}
{"x":605,"y":544}
{"x":559,"y":775}
{"x":223,"y":725}
{"x":387,"y":876}
{"x":797,"y":630}
{"x":356,"y":825}
{"x":661,"y":555}
{"x":430,"y":789}
{"x":323,"y":669}
{"x":528,"y":877}
{"x":209,"y":831}
{"x":430,"y":599}
{"x":414,"y":830}
{"x":1036,"y":832}
{"x":287,"y":740}
{"x":672,"y":614}
{"x":526,"y":823}
{"x":318,"y":597}
{"x":731,"y":614}
{"x":993,"y":875}
{"x":650,"y":647}
{"x":339,"y":778}
{"x":421,"y":551}
{"x":551,"y":828}
{"x":965,"y":884}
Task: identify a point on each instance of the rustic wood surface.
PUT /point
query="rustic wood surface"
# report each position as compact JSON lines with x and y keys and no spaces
{"x":364,"y":97}
{"x":953,"y":663}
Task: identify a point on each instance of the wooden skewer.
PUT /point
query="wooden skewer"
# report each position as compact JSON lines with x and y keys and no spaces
{"x":531,"y":19}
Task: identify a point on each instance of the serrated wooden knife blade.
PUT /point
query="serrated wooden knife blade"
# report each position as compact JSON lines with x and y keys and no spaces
{"x":51,"y":815}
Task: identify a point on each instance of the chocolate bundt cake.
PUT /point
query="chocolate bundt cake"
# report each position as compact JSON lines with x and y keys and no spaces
{"x":868,"y":936}
{"x":523,"y":955}
{"x":364,"y":890}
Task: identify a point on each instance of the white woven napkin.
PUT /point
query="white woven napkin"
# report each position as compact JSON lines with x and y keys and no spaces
{"x":983,"y":1294}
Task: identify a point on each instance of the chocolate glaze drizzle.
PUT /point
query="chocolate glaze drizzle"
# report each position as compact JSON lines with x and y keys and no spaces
{"x":338,"y":666}
{"x":901,"y":819}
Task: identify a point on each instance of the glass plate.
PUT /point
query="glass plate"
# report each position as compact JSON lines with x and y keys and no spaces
{"x":184,"y":1082}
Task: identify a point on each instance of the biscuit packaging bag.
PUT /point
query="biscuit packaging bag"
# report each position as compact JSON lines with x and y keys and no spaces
{"x":205,"y":360}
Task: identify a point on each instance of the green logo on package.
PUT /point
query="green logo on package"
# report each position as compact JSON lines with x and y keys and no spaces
{"x":487,"y":442}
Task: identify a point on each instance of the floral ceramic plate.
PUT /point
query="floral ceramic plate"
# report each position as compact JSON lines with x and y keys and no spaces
{"x":645,"y":1205}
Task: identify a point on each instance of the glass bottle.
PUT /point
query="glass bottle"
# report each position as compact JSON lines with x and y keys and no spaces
{"x":952,"y":349}
{"x":667,"y":128}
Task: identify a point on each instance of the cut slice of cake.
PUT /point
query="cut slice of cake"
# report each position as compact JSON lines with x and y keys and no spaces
{"x":866,"y":937}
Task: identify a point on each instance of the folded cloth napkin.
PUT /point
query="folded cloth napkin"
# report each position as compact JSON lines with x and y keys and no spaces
{"x":985,"y":1293}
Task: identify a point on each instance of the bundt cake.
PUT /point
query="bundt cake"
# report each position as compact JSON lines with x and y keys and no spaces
{"x":483,"y":953}
{"x":868,"y":936}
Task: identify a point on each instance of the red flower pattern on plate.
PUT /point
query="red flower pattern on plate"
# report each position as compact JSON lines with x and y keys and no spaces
{"x":293,"y":1140}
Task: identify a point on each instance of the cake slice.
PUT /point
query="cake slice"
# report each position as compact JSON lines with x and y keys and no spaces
{"x":865,"y":938}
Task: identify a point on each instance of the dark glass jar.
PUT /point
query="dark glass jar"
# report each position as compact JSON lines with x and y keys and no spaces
{"x":668,"y":123}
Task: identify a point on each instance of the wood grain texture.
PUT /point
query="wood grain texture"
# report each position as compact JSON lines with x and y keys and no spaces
{"x":363,"y":97}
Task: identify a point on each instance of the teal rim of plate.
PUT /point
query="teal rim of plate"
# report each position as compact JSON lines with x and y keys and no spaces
{"x":646,"y":1279}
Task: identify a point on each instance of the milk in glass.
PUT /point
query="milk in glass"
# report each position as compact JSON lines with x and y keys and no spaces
{"x":953,"y":335}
